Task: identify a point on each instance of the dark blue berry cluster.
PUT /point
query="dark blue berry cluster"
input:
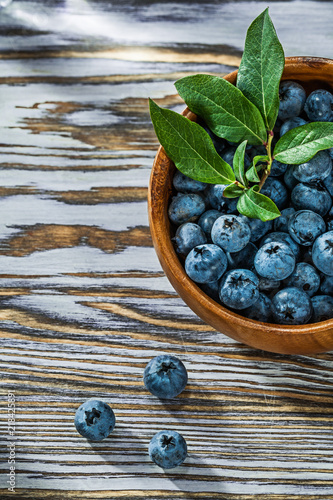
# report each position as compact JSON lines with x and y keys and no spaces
{"x":281,"y":271}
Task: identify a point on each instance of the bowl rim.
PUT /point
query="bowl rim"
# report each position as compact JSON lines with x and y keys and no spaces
{"x":171,"y":264}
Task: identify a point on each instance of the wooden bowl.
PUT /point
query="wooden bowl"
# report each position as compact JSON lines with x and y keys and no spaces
{"x":314,"y":338}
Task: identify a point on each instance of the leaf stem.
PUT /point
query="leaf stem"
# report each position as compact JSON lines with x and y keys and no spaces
{"x":267,"y":169}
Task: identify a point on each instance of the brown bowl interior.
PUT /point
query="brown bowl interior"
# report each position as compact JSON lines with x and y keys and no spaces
{"x":312,"y":73}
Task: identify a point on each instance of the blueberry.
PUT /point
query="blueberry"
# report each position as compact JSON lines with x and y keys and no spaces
{"x":328,"y":182}
{"x":322,"y":253}
{"x":322,"y":308}
{"x":187,"y":185}
{"x":167,"y":449}
{"x":305,"y":226}
{"x":278,"y":168}
{"x":304,"y":277}
{"x":239,"y":288}
{"x":316,"y":169}
{"x":329,"y":220}
{"x":281,"y":223}
{"x":319,"y":106}
{"x":188,"y":236}
{"x":292,"y":98}
{"x":289,"y":179}
{"x":258,"y":227}
{"x":279,"y":236}
{"x":260,"y":310}
{"x":206,"y":263}
{"x":276,"y":191}
{"x":244,"y":258}
{"x":291,"y":306}
{"x":257,"y":151}
{"x":212,"y":289}
{"x":291,"y":123}
{"x":228,"y":156}
{"x":219,"y":144}
{"x":326,"y":286}
{"x":231,"y":233}
{"x":268,"y":285}
{"x":275,"y":261}
{"x":311,"y":197}
{"x":94,"y":420}
{"x":165,"y":376}
{"x":214,"y":195}
{"x":207,"y":220}
{"x":186,"y":208}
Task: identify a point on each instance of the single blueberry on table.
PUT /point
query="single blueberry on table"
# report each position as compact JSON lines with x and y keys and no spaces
{"x":291,"y":123}
{"x":185,"y":184}
{"x":292,"y":99}
{"x":281,"y":223}
{"x":243,"y":259}
{"x":215,"y":198}
{"x":316,"y":169}
{"x":278,"y":168}
{"x":94,"y":420}
{"x":305,"y":226}
{"x":275,"y":261}
{"x":291,"y":306}
{"x":280,"y":236}
{"x":165,"y":376}
{"x":258,"y":227}
{"x":322,"y":308}
{"x":319,"y":106}
{"x":167,"y":449}
{"x":188,"y":236}
{"x":186,"y":208}
{"x":231,"y":233}
{"x":313,"y":197}
{"x":322,"y":253}
{"x":260,"y":310}
{"x":304,"y":277}
{"x":276,"y":191}
{"x":239,"y":288}
{"x":207,"y":220}
{"x":206,"y":263}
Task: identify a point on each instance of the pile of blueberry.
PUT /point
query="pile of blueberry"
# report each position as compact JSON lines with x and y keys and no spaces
{"x":277,"y":271}
{"x":165,"y":377}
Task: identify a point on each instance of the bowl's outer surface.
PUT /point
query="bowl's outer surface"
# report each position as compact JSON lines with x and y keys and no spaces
{"x":312,"y":73}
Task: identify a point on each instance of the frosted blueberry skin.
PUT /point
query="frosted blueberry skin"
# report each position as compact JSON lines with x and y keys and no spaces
{"x":268,"y":285}
{"x":289,"y":179}
{"x":322,"y":308}
{"x":94,"y":420}
{"x":185,"y":184}
{"x":326,"y":286}
{"x":275,"y":261}
{"x":311,"y":197}
{"x":276,"y":191}
{"x":243,"y":259}
{"x":316,"y":169}
{"x":165,"y":376}
{"x":239,"y":289}
{"x":167,"y":449}
{"x":188,"y":236}
{"x":291,"y":123}
{"x":231,"y":233}
{"x":215,"y":198}
{"x":319,"y":106}
{"x":206,"y":263}
{"x":260,"y":310}
{"x":304,"y":277}
{"x":278,"y":168}
{"x":281,"y":237}
{"x":292,"y":99}
{"x":328,"y":182}
{"x":305,"y":226}
{"x":291,"y":306}
{"x":207,"y":220}
{"x":186,"y":208}
{"x":322,"y":253}
{"x":281,"y":223}
{"x":258,"y":227}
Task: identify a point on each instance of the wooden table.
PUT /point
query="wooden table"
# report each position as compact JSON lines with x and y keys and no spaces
{"x":84,"y":302}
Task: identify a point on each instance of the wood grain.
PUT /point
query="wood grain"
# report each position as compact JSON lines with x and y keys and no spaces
{"x":84,"y":302}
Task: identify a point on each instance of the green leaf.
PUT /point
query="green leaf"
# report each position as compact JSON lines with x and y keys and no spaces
{"x":227,"y":112}
{"x":189,"y":147}
{"x":256,"y":205}
{"x":301,"y":143}
{"x":233,"y":191}
{"x":238,"y":163}
{"x":261,"y":68}
{"x":252,"y":172}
